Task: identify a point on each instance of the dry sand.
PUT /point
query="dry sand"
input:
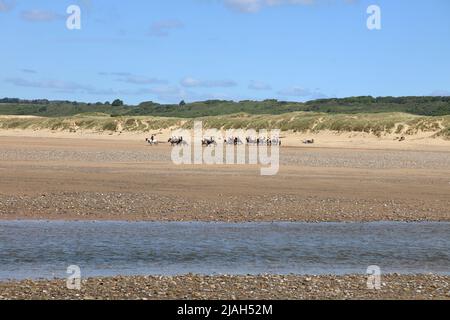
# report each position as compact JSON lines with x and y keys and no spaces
{"x":323,"y":139}
{"x":120,"y":177}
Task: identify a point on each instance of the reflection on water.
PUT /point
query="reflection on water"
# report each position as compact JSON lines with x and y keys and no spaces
{"x":32,"y":249}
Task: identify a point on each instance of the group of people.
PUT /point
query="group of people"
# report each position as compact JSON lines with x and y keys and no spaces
{"x":263,"y":141}
{"x":233,"y":141}
{"x":178,"y":140}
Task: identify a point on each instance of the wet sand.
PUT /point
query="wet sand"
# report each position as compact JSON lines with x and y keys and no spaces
{"x":262,"y":287}
{"x":111,"y":179}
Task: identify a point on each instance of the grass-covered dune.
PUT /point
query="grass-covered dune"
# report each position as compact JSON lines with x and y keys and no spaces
{"x":92,"y":122}
{"x":377,"y":116}
{"x":376,"y":123}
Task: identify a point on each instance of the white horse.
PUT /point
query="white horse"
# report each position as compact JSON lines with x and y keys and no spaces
{"x":229,"y":140}
{"x":275,"y":142}
{"x":263,"y":141}
{"x":152,"y":141}
{"x":233,"y":141}
{"x":251,"y":140}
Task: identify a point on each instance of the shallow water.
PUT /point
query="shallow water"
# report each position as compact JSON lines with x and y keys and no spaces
{"x":40,"y":249}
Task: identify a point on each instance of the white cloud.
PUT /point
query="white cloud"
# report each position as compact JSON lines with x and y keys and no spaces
{"x":247,"y":6}
{"x":6,"y":6}
{"x":132,"y":78}
{"x":259,"y":85}
{"x":37,"y":15}
{"x":252,"y":6}
{"x":163,"y":92}
{"x":195,"y":83}
{"x":61,"y":86}
{"x":298,"y":91}
{"x":48,"y":84}
{"x":28,"y":70}
{"x":295,"y":91}
{"x":162,"y":28}
{"x":120,"y":74}
{"x":440,"y":93}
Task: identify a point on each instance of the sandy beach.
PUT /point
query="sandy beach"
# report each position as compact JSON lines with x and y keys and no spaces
{"x":113,"y":178}
{"x":227,"y":150}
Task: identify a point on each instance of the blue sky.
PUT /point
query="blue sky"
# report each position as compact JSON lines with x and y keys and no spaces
{"x":169,"y":50}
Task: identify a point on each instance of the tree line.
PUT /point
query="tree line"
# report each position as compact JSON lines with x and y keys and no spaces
{"x":426,"y":105}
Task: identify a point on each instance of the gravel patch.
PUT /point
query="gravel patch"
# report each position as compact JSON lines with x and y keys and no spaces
{"x":152,"y":207}
{"x":197,"y":287}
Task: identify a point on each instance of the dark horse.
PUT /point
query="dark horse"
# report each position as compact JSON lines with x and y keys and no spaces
{"x":176,"y":141}
{"x":208,"y":142}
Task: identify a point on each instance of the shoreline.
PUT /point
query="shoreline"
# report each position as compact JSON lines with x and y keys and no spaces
{"x":228,"y":287}
{"x":120,"y":220}
{"x":106,"y":219}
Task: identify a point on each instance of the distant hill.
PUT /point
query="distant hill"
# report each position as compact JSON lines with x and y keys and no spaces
{"x":427,"y":106}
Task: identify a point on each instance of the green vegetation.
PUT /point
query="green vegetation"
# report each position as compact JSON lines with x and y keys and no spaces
{"x":402,"y":115}
{"x":427,"y":106}
{"x":94,"y":123}
{"x":117,"y":103}
{"x":376,"y":124}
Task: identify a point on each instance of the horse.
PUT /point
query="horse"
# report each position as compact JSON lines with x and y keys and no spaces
{"x":233,"y":141}
{"x":263,"y":141}
{"x":230,"y":140}
{"x":251,"y":140}
{"x":208,"y":142}
{"x":275,"y":142}
{"x":176,"y":141}
{"x":152,"y":141}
